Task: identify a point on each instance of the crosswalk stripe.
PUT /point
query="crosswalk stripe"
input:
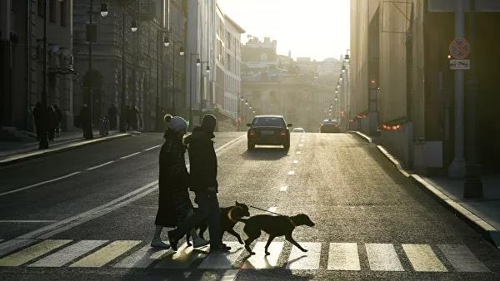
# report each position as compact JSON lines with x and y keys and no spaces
{"x":304,"y":261}
{"x":462,"y":259}
{"x":106,"y":254}
{"x":32,"y":252}
{"x":69,"y":253}
{"x":143,"y":257}
{"x":343,"y":256}
{"x":422,"y":258}
{"x":383,"y":257}
{"x":181,"y":259}
{"x":223,"y":260}
{"x":260,"y":260}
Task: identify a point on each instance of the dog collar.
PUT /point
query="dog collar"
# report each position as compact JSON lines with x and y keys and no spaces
{"x":230,"y":212}
{"x":291,"y":221}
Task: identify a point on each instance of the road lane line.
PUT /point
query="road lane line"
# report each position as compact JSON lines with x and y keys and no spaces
{"x":422,"y":258}
{"x":143,"y":257}
{"x":284,"y":188}
{"x":32,"y":252}
{"x":223,"y":260}
{"x":40,"y":183}
{"x":105,"y":255}
{"x":130,"y":155}
{"x":295,"y":161}
{"x":181,"y":259}
{"x":343,"y":256}
{"x":260,"y":260}
{"x":26,"y":221}
{"x":151,"y":148}
{"x":298,"y":152}
{"x":230,"y":275}
{"x":462,"y":259}
{"x":305,"y":261}
{"x":99,"y":166}
{"x":383,"y":257}
{"x":291,"y":173}
{"x":68,"y":254}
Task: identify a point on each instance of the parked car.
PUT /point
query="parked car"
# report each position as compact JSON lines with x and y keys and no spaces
{"x":298,"y":130}
{"x":330,"y":126}
{"x":268,"y":130}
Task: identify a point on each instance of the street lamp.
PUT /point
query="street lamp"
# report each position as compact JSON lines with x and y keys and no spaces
{"x":123,"y":125}
{"x":167,"y":43}
{"x":104,"y":10}
{"x":43,"y":142}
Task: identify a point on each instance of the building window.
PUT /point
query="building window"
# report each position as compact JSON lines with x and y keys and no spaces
{"x":52,"y":10}
{"x":64,"y":13}
{"x":41,"y":8}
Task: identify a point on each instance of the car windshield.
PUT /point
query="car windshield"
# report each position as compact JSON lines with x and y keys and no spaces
{"x":269,"y":122}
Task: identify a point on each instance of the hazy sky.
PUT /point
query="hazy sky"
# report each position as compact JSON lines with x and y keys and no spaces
{"x":314,"y":28}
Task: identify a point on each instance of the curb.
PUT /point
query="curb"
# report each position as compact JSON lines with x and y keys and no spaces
{"x":10,"y":160}
{"x":486,"y":230}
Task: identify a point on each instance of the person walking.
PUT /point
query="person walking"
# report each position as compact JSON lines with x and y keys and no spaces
{"x":174,"y":204}
{"x":85,"y":121}
{"x":203,"y":181}
{"x":37,"y":114}
{"x":51,"y":123}
{"x":112,"y":113}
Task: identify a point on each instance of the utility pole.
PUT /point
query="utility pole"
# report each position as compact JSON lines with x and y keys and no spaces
{"x":44,"y":143}
{"x":457,"y":167}
{"x":89,"y":131}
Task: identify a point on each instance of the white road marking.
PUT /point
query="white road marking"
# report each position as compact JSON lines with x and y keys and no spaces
{"x":105,"y":255}
{"x":40,"y":183}
{"x":99,"y":166}
{"x":273,"y":209}
{"x":181,"y":259}
{"x":284,"y":188}
{"x":301,"y":145}
{"x":26,"y":221}
{"x":462,"y":259}
{"x":229,"y":275}
{"x":305,"y":261}
{"x":68,"y":254}
{"x":130,"y":155}
{"x":343,"y":256}
{"x":260,"y":260}
{"x":295,"y":161}
{"x":32,"y":252}
{"x":298,"y":152}
{"x":143,"y":257}
{"x":383,"y":257}
{"x":151,"y":148}
{"x":223,"y":260}
{"x":291,"y":173}
{"x":422,"y":258}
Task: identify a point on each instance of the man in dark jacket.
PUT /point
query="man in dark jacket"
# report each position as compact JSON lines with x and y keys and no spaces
{"x":203,"y":181}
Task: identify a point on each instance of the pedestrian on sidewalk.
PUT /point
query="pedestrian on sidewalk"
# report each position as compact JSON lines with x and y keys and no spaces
{"x":37,"y":115}
{"x":51,"y":123}
{"x":112,"y":113}
{"x":85,"y":121}
{"x":174,"y":204}
{"x":203,"y":181}
{"x":59,"y":119}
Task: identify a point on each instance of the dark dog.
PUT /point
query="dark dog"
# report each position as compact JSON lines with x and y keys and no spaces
{"x":229,"y":216}
{"x":274,"y":226}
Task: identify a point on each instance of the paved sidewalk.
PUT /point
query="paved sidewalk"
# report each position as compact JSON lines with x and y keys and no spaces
{"x":16,"y":151}
{"x":482,"y":214}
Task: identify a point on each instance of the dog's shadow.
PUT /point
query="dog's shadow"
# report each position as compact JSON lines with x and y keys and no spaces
{"x":283,"y":272}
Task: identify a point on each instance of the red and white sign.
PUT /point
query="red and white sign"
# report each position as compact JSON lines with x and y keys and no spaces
{"x":459,"y":48}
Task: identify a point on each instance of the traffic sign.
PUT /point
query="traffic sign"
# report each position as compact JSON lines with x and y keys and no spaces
{"x":459,"y":48}
{"x":459,"y":64}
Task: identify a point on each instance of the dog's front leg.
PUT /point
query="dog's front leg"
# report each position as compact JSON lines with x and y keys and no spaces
{"x":271,"y":237}
{"x":290,"y":238}
{"x":235,"y":234}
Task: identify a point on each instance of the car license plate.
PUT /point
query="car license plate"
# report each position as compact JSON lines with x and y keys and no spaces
{"x":267,"y":132}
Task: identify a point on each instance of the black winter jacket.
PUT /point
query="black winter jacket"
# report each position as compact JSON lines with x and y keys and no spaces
{"x":202,"y":160}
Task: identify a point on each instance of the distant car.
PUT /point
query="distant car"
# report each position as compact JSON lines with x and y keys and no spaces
{"x":268,"y":130}
{"x":330,"y":126}
{"x":298,"y":130}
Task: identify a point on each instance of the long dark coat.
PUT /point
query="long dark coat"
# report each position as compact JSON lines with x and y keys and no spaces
{"x":174,"y":203}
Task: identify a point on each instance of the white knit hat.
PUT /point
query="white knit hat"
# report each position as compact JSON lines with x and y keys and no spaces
{"x":178,"y":124}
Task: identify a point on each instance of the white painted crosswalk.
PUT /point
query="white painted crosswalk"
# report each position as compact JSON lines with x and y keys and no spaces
{"x":340,"y":256}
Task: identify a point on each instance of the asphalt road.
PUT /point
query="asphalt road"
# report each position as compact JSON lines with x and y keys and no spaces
{"x":88,"y":214}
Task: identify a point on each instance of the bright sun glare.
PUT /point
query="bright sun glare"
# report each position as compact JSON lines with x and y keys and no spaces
{"x":315,"y":28}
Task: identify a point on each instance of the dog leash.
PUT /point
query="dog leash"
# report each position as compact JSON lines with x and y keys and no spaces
{"x":289,"y":218}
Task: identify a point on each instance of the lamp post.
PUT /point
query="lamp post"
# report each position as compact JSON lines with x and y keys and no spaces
{"x":181,"y":53}
{"x":159,"y":57}
{"x":133,"y":28}
{"x":202,"y":84}
{"x":198,"y":63}
{"x":43,"y":142}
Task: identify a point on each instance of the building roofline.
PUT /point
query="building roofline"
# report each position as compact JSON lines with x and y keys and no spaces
{"x":238,"y":27}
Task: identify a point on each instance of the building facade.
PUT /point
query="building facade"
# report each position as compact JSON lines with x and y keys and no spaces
{"x":22,"y":33}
